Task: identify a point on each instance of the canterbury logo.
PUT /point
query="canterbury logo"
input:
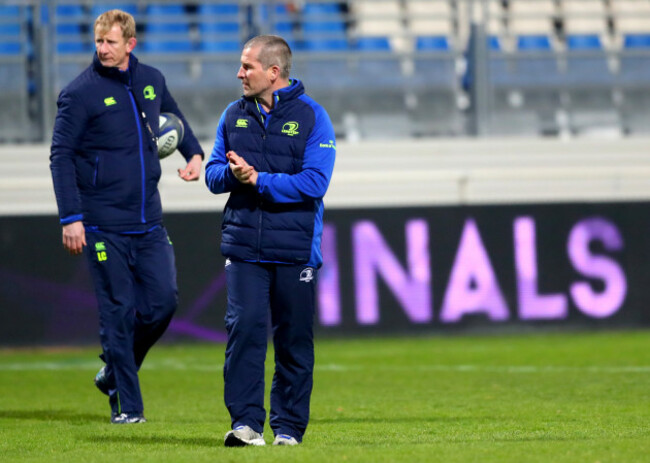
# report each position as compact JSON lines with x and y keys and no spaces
{"x":110,"y":101}
{"x":242,"y":123}
{"x":290,"y":128}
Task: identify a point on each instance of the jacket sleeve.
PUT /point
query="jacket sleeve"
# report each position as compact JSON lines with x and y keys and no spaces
{"x":318,"y":163}
{"x":189,"y":145}
{"x":218,"y":176}
{"x":69,"y":127}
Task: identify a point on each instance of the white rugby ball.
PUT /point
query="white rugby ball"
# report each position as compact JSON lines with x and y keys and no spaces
{"x":170,"y":134}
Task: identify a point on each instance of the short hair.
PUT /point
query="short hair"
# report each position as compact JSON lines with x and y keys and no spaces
{"x":274,"y":51}
{"x":106,"y":20}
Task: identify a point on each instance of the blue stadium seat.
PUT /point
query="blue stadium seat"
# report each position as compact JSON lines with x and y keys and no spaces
{"x":534,"y":43}
{"x":327,"y":44}
{"x":321,"y":8}
{"x":434,"y":62}
{"x":635,"y":61}
{"x":494,"y":43}
{"x":584,"y":42}
{"x":98,"y":8}
{"x":219,"y":28}
{"x":372,"y":44}
{"x":323,"y":27}
{"x":432,"y":43}
{"x":13,"y":39}
{"x":167,"y":18}
{"x":167,"y":29}
{"x":535,"y":63}
{"x":14,"y":79}
{"x":634,"y":79}
{"x":10,"y":21}
{"x":587,"y":62}
{"x":636,"y":41}
{"x":324,"y":33}
{"x":378,"y":66}
{"x":70,"y":22}
{"x":281,"y":21}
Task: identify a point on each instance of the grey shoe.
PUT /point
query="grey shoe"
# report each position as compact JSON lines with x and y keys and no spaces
{"x":128,"y":418}
{"x":285,"y":439}
{"x":242,"y":436}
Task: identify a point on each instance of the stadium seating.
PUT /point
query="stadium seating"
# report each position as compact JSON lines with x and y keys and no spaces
{"x":98,"y":8}
{"x":431,"y":23}
{"x":220,"y":27}
{"x":587,"y":36}
{"x":531,"y":24}
{"x":588,"y":78}
{"x":632,"y":30}
{"x":12,"y":35}
{"x":323,"y":28}
{"x":631,"y":20}
{"x":431,"y":26}
{"x":524,"y":72}
{"x":71,"y":29}
{"x":167,"y":29}
{"x":380,"y":19}
{"x":549,"y":61}
{"x":14,"y":79}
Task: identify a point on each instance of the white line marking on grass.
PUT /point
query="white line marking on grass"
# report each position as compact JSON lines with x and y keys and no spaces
{"x":490,"y":369}
{"x":177,"y":365}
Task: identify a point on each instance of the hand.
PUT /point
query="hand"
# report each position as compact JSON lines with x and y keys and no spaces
{"x":74,"y":237}
{"x":244,"y":172}
{"x":192,"y":170}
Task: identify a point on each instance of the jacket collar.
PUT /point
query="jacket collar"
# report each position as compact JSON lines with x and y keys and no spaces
{"x":115,"y":73}
{"x":291,"y":92}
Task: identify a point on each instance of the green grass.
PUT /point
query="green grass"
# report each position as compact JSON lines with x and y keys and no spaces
{"x":572,"y":397}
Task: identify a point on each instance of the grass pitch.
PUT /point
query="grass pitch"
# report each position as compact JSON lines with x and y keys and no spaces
{"x":572,"y":397}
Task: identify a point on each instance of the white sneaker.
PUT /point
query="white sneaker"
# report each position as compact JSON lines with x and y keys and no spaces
{"x":242,"y":436}
{"x":285,"y":439}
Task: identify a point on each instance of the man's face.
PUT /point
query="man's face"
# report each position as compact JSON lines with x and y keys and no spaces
{"x":112,"y":49}
{"x":255,"y":79}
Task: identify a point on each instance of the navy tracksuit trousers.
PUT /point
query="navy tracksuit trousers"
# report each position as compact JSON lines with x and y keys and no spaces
{"x":288,"y":291}
{"x":135,"y":282}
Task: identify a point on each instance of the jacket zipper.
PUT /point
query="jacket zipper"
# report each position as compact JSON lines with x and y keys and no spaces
{"x":261,"y":201}
{"x":142,"y":173}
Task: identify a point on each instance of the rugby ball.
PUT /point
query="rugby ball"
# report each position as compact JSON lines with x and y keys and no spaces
{"x":170,"y":134}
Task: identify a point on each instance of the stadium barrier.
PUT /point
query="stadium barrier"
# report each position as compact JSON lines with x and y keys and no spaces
{"x":437,"y":236}
{"x":434,"y":270}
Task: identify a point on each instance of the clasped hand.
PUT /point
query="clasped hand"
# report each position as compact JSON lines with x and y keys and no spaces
{"x":244,"y":172}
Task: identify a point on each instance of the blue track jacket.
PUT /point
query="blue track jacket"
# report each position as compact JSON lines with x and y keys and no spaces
{"x":104,"y":158}
{"x":293,"y":148}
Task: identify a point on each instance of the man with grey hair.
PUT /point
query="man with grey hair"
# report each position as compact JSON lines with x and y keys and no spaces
{"x":274,"y":154}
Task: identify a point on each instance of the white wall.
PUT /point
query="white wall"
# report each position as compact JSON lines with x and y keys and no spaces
{"x":401,"y":173}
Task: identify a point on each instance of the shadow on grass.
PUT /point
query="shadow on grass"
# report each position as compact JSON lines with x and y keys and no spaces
{"x":67,"y":416}
{"x":157,"y":440}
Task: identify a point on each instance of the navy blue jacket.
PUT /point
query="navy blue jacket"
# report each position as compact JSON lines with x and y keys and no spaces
{"x":104,"y":158}
{"x":293,"y":149}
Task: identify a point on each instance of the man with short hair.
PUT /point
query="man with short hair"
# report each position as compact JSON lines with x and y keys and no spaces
{"x":105,"y":170}
{"x":274,"y":153}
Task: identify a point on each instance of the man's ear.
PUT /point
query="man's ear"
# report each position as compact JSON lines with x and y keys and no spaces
{"x":274,"y":73}
{"x":130,"y":44}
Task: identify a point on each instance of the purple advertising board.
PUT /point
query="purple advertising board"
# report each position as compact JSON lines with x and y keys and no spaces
{"x":400,"y":271}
